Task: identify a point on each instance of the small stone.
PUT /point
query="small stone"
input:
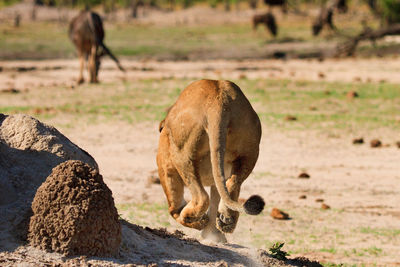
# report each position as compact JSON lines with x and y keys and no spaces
{"x":358,"y":141}
{"x":351,"y":95}
{"x":279,"y":215}
{"x":290,"y":118}
{"x":153,"y":178}
{"x":302,"y":197}
{"x":304,"y":175}
{"x":325,"y":207}
{"x":11,"y":91}
{"x":376,"y":143}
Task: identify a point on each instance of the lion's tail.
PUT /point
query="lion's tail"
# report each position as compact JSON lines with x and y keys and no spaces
{"x":217,"y":131}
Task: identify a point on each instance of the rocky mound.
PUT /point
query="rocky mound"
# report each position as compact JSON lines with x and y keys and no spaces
{"x":74,"y":213}
{"x":29,"y":150}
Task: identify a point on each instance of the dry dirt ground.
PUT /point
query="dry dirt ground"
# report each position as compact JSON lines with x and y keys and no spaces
{"x":360,"y":184}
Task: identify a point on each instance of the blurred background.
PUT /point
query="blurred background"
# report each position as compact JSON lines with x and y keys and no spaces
{"x":192,"y":30}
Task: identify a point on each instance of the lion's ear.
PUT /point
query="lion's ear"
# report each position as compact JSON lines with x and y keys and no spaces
{"x":161,"y":125}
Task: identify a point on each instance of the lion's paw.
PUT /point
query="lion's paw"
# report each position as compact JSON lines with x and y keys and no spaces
{"x":225,"y":224}
{"x":196,"y":223}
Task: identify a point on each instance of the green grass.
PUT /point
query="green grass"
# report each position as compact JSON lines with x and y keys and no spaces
{"x":138,"y":213}
{"x":147,"y":100}
{"x":391,"y":233}
{"x":275,"y":99}
{"x":41,"y":40}
{"x":35,"y":40}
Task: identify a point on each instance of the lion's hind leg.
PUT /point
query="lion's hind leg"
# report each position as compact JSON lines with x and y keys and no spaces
{"x":210,"y":232}
{"x":241,"y":169}
{"x":194,"y":213}
{"x":191,"y":214}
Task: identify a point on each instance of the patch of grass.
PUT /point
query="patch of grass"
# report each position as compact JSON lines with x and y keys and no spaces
{"x":260,"y":175}
{"x":138,"y":213}
{"x":363,"y":252}
{"x":273,"y":100}
{"x":277,"y":252}
{"x":374,"y":251}
{"x":380,"y":231}
{"x":329,"y":250}
{"x":323,"y":105}
{"x":50,"y":40}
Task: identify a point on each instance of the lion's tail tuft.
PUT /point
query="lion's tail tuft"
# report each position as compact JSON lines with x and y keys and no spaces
{"x":254,"y":205}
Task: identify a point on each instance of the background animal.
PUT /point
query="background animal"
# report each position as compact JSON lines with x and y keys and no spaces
{"x":281,"y":3}
{"x":210,"y":137}
{"x":325,"y":16}
{"x":87,"y":33}
{"x":268,"y":20}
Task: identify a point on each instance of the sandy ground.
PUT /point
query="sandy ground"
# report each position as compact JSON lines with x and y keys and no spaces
{"x":360,"y":184}
{"x":26,"y":74}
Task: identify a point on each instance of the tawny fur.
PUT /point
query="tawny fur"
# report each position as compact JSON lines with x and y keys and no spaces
{"x":87,"y":33}
{"x":210,"y":137}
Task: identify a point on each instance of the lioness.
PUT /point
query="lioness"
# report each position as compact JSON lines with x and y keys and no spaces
{"x":210,"y":137}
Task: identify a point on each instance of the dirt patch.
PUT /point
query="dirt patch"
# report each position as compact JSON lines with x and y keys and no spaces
{"x":74,"y":213}
{"x":361,"y":182}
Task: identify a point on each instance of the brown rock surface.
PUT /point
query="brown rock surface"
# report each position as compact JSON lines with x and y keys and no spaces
{"x":74,"y":213}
